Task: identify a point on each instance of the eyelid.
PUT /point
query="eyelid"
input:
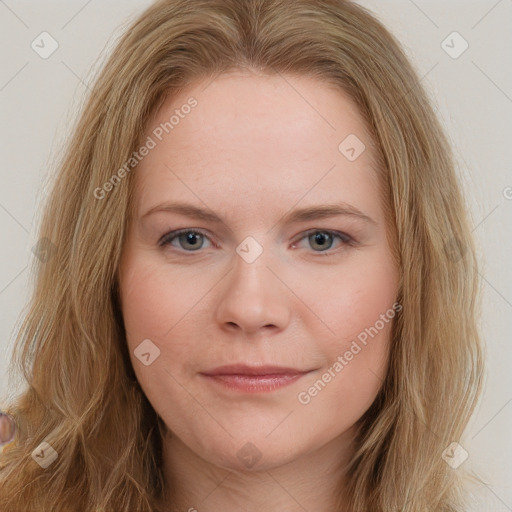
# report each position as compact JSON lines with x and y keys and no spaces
{"x":346,"y":240}
{"x":175,"y":233}
{"x":344,"y":237}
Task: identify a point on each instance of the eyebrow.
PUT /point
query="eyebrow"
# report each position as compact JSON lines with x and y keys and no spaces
{"x":299,"y":215}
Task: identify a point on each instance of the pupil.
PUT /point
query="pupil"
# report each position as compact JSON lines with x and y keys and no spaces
{"x":321,"y":239}
{"x":191,"y":238}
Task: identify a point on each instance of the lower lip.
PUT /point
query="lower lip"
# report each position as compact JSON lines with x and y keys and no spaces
{"x":255,"y":383}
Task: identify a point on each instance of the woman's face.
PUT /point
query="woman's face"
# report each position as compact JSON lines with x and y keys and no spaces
{"x":282,"y":272}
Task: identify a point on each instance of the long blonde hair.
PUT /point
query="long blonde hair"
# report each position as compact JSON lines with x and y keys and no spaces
{"x":81,"y":394}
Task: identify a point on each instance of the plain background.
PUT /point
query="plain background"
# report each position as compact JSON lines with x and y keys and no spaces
{"x":39,"y":99}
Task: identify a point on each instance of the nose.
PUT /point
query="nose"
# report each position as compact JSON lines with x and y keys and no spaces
{"x":253,"y":298}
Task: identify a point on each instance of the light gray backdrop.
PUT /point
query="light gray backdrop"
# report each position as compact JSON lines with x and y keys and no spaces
{"x":460,"y":48}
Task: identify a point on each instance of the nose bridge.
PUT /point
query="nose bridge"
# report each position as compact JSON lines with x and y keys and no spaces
{"x":252,"y":279}
{"x":252,"y":296}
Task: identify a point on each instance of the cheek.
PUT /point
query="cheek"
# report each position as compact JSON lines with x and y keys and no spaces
{"x":358,"y":305}
{"x":156,"y":305}
{"x":350,"y":299}
{"x":156,"y":299}
{"x":167,"y":307}
{"x":176,"y":309}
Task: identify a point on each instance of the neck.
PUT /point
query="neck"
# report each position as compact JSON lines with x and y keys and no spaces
{"x":313,"y":481}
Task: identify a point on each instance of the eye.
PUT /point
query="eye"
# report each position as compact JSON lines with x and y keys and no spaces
{"x":323,"y":240}
{"x":190,"y":240}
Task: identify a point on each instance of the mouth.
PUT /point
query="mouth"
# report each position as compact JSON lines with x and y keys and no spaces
{"x":253,"y":379}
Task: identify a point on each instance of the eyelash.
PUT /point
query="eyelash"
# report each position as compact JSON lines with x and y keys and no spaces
{"x":345,"y":239}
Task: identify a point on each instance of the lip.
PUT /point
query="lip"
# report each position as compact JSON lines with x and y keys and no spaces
{"x":254,"y":379}
{"x":258,"y":370}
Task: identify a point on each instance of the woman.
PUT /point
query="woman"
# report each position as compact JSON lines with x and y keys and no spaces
{"x":251,"y":370}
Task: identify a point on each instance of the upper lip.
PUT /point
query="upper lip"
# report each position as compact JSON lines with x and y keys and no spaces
{"x":242,"y":369}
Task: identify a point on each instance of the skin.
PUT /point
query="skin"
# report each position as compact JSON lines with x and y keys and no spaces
{"x":6,"y":429}
{"x":252,"y":151}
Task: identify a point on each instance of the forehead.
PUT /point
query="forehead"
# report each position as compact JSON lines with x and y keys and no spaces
{"x":253,"y":140}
